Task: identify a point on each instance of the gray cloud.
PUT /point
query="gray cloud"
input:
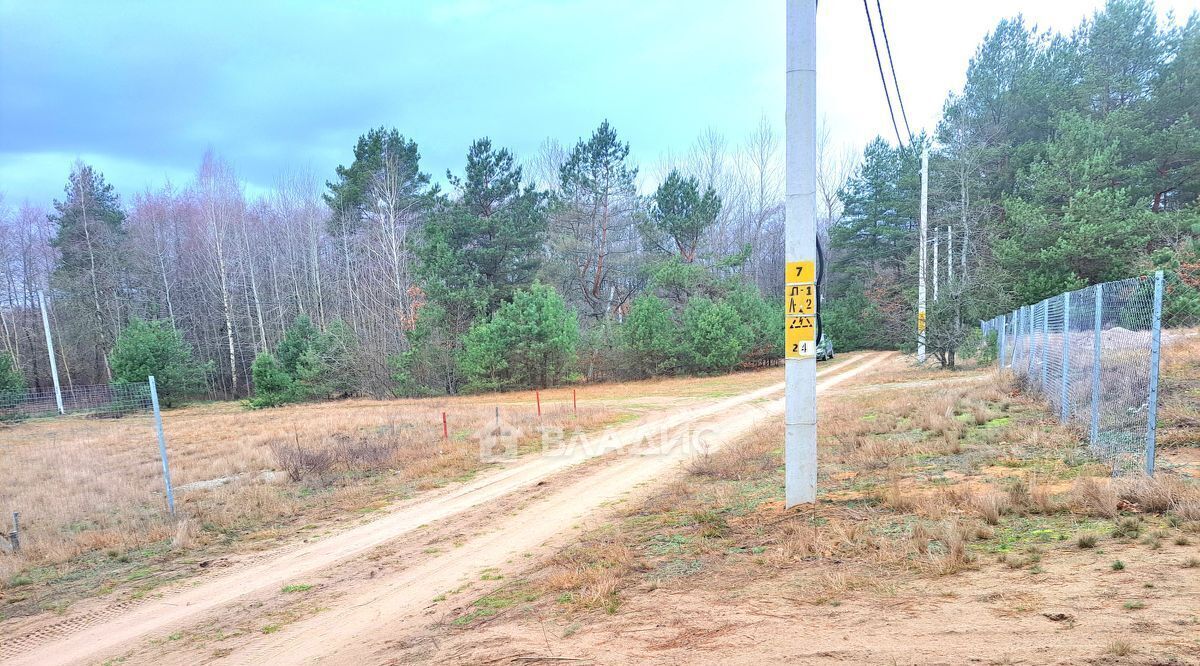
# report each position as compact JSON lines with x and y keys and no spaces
{"x":143,"y":88}
{"x":273,"y":85}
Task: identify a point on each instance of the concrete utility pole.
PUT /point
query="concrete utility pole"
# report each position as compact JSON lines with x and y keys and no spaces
{"x":800,"y":250}
{"x":937,"y":267}
{"x":924,"y":254}
{"x":50,"y":351}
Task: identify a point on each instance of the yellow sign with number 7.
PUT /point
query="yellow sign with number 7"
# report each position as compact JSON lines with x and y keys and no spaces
{"x":800,"y":272}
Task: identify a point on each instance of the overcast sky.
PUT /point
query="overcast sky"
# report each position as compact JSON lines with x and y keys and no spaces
{"x":141,"y":89}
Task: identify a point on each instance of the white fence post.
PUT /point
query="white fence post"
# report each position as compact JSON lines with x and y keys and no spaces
{"x":50,"y":351}
{"x":162,"y":445}
{"x":1064,"y":409}
{"x":1029,"y":332}
{"x":1016,"y":341}
{"x":1002,"y":338}
{"x":1097,"y":324}
{"x":1018,"y":334}
{"x":1045,"y":344}
{"x":1155,"y":349}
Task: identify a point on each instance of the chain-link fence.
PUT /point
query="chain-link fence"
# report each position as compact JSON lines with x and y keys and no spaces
{"x":67,"y":466}
{"x":1095,"y":355}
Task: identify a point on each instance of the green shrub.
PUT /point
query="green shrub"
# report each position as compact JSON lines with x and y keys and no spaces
{"x":853,"y":322}
{"x":308,"y":364}
{"x":155,"y":348}
{"x":650,"y":337}
{"x":764,"y":322}
{"x":530,"y":341}
{"x":11,"y":380}
{"x":714,"y":337}
{"x":12,"y":385}
{"x":272,"y":386}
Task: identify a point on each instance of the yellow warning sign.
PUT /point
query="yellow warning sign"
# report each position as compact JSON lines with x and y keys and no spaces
{"x":800,"y":337}
{"x":801,"y":299}
{"x":920,"y":322}
{"x":801,"y":272}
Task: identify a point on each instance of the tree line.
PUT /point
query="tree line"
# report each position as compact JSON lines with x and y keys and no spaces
{"x":1064,"y":161}
{"x":383,"y":282}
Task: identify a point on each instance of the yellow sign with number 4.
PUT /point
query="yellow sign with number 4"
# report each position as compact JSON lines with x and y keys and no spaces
{"x":800,"y":337}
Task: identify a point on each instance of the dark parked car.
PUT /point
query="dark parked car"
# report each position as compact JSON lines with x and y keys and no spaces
{"x":824,"y":349}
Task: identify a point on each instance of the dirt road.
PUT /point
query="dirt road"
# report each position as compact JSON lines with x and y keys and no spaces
{"x":377,"y":580}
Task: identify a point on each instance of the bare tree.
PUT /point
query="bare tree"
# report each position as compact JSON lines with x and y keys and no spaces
{"x":218,"y":196}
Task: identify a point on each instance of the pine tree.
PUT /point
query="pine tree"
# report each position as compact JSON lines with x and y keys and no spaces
{"x":379,"y":153}
{"x":714,"y":336}
{"x":272,"y":386}
{"x":650,"y":337}
{"x":530,"y":342}
{"x":594,"y":223}
{"x":147,"y":348}
{"x":876,"y":234}
{"x":680,"y":213}
{"x":89,"y":236}
{"x":475,"y":252}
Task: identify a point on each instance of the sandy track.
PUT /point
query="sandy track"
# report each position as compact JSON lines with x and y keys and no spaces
{"x":377,"y":609}
{"x":386,"y":608}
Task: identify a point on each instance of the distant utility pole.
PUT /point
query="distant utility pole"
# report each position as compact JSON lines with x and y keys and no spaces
{"x":50,"y":351}
{"x":937,"y":267}
{"x":924,"y":254}
{"x":800,"y":248}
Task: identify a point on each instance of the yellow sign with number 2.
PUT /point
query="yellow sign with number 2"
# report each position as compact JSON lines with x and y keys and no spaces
{"x":800,"y":337}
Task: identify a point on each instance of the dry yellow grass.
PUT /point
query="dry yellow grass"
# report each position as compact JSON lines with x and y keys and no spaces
{"x":89,"y":484}
{"x":918,"y":478}
{"x":86,"y":484}
{"x":587,"y":576}
{"x":1179,"y":398}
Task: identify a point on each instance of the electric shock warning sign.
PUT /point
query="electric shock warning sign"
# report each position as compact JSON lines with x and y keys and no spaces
{"x":800,"y":337}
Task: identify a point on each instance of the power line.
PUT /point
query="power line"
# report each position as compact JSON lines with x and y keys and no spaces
{"x":882,"y":78}
{"x":892,"y":64}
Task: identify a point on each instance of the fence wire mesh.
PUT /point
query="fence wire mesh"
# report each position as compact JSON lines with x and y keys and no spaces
{"x":96,"y":467}
{"x":1094,"y":354}
{"x":103,"y":400}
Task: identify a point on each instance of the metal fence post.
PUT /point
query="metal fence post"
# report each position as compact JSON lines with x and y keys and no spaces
{"x":1018,"y":324}
{"x":1064,"y":410}
{"x":14,"y":537}
{"x":1155,"y":348}
{"x":1045,"y":342}
{"x":1029,"y":332}
{"x":1002,"y":336}
{"x":1097,"y":324}
{"x":1022,"y":334}
{"x":162,"y":446}
{"x":1010,"y":332}
{"x":1016,"y":341}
